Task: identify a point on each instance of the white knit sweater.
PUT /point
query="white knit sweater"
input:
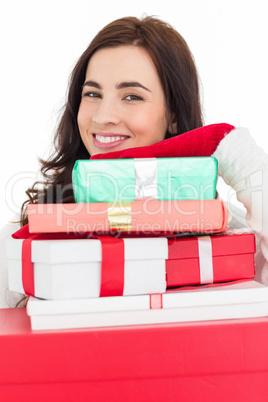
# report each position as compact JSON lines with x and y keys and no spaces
{"x":7,"y":298}
{"x":244,"y":167}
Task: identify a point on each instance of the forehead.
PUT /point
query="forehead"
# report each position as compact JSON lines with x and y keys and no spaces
{"x":127,"y":61}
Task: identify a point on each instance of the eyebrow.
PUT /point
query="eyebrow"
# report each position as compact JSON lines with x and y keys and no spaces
{"x":129,"y":84}
{"x":92,"y":84}
{"x":122,"y":85}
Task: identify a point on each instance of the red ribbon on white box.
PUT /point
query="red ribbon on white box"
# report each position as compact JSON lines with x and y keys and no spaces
{"x":112,"y":268}
{"x":156,"y":301}
{"x":27,"y":267}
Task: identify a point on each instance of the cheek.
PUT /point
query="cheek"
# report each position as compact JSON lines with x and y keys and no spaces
{"x":152,"y":125}
{"x":83,"y":121}
{"x":83,"y":118}
{"x":161,"y":124}
{"x":79,"y":120}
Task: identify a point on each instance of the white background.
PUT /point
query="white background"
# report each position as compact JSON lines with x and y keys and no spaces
{"x":41,"y":41}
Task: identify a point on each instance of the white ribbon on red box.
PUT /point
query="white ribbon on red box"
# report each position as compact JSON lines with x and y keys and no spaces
{"x":205,"y":259}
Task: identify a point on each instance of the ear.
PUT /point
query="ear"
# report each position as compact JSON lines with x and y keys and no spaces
{"x":173,"y":126}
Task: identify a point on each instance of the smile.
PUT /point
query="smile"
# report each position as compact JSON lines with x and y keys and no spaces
{"x":107,"y":139}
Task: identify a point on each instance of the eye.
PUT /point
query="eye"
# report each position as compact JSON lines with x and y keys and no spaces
{"x":133,"y":98}
{"x":91,"y":94}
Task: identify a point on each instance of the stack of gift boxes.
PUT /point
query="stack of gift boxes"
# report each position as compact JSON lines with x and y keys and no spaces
{"x":145,"y":242}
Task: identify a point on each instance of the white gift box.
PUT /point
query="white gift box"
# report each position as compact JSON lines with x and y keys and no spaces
{"x":70,"y":269}
{"x":242,"y":299}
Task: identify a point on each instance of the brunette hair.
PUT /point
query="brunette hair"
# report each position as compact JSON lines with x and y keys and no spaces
{"x":178,"y":75}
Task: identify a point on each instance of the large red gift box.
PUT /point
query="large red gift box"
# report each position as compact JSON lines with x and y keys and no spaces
{"x":208,"y":259}
{"x":209,"y":361}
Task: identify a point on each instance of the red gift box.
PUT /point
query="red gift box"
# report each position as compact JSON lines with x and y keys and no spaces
{"x":230,"y":256}
{"x":216,"y":361}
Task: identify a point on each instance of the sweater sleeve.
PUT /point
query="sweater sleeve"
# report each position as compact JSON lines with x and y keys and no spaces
{"x":244,"y":166}
{"x":7,"y":297}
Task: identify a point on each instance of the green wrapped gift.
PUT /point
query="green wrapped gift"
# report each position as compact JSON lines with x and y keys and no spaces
{"x":126,"y":180}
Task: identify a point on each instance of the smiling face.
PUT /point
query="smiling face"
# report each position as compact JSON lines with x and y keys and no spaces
{"x":122,"y":104}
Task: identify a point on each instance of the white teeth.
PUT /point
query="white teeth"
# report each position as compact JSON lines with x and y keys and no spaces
{"x":106,"y":139}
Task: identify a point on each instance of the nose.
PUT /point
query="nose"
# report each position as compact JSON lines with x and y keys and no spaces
{"x":106,"y":112}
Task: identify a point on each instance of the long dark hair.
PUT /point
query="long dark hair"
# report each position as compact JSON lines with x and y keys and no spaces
{"x":178,"y":75}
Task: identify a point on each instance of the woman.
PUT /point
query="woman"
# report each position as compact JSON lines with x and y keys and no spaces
{"x":172,"y":65}
{"x":135,"y":86}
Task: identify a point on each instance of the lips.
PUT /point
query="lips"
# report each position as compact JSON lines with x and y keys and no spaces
{"x":108,"y":140}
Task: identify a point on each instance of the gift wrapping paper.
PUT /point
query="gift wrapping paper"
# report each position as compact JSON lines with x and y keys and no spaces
{"x":126,"y":180}
{"x":147,"y":216}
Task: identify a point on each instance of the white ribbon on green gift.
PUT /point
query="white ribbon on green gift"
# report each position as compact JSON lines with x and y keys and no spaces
{"x":146,"y":178}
